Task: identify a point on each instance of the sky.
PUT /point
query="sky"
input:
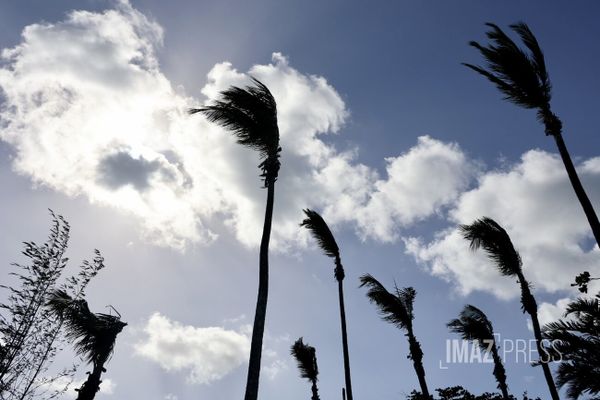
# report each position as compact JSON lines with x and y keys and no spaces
{"x":383,"y":132}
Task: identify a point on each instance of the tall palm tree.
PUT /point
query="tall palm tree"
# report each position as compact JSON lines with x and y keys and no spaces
{"x":93,"y":336}
{"x":320,"y":231}
{"x":251,"y":115}
{"x":494,"y":240}
{"x":523,"y":79}
{"x":576,"y":344}
{"x":306,"y":357}
{"x":473,"y":324}
{"x":397,"y":309}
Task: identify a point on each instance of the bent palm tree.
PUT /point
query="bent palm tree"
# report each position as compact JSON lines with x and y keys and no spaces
{"x":320,"y":231}
{"x":576,"y":344}
{"x":251,"y":115}
{"x":398,"y":310}
{"x":306,"y":358}
{"x":93,"y":336}
{"x":486,"y":233}
{"x":524,"y":80}
{"x":473,"y":324}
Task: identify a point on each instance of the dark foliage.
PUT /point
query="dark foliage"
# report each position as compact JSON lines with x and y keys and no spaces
{"x":576,"y":344}
{"x":306,"y":358}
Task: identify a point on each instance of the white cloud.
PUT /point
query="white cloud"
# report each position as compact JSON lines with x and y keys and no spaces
{"x":534,"y":202}
{"x":90,"y":113}
{"x":549,"y":312}
{"x":430,"y":175}
{"x":207,"y":354}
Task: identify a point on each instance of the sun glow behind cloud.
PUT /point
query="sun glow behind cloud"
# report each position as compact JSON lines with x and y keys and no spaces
{"x":89,"y":113}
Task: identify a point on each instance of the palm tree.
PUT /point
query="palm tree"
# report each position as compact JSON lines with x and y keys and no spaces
{"x":93,"y":336}
{"x":486,"y":233}
{"x":523,"y":79}
{"x":397,"y":309}
{"x":473,"y":324}
{"x":306,"y":358}
{"x":320,"y":231}
{"x":576,"y":344}
{"x":251,"y":115}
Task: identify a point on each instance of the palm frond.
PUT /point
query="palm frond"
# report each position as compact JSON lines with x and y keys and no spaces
{"x":250,"y":113}
{"x":473,"y":324}
{"x":320,"y":231}
{"x":93,"y":335}
{"x":575,"y":343}
{"x":521,"y":76}
{"x":489,"y":235}
{"x":306,"y":357}
{"x":394,"y":309}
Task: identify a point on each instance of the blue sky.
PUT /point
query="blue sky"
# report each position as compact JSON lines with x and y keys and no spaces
{"x":387,"y":135}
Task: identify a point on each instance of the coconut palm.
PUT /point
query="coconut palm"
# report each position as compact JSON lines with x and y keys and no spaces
{"x":576,"y":344}
{"x":472,"y":324}
{"x":306,"y":358}
{"x":494,"y":240}
{"x":93,"y":336}
{"x":523,"y":79}
{"x":251,"y":115}
{"x":320,"y":231}
{"x":397,"y":309}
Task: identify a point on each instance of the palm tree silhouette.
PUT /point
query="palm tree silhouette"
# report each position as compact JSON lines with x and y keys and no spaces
{"x":320,"y":231}
{"x":576,"y":344}
{"x":306,"y":358}
{"x":93,"y":336}
{"x":523,"y":79}
{"x":494,"y":240}
{"x":473,"y":324}
{"x":397,"y":309}
{"x":251,"y":115}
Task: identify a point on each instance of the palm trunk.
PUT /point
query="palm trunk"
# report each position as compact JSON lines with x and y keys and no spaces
{"x":91,"y":386}
{"x":315,"y":391}
{"x":345,"y":341}
{"x":585,"y":202}
{"x":500,"y":373}
{"x":530,"y":306}
{"x":261,"y":302}
{"x":543,"y":360}
{"x":416,"y":354}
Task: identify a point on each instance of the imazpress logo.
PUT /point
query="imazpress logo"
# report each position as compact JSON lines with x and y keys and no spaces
{"x":460,"y":351}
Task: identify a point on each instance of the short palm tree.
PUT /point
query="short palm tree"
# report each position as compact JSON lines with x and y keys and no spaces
{"x":320,"y":231}
{"x":93,"y":336}
{"x":306,"y":357}
{"x":472,"y":324}
{"x":397,"y":309}
{"x":576,"y":345}
{"x":251,"y":115}
{"x":486,"y":233}
{"x":524,"y":80}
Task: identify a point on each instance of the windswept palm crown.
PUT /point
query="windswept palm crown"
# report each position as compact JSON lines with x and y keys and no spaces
{"x":472,"y":324}
{"x":494,"y":240}
{"x":576,"y":344}
{"x":93,"y":335}
{"x":396,"y":309}
{"x":306,"y":357}
{"x":251,"y":115}
{"x":521,"y":76}
{"x":322,"y":234}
